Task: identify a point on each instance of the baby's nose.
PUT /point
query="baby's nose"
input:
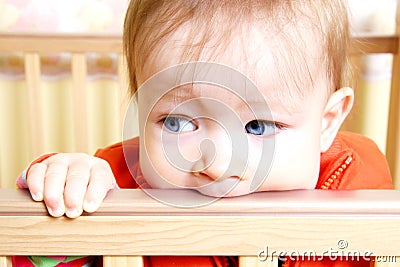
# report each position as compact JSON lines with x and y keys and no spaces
{"x":222,"y":158}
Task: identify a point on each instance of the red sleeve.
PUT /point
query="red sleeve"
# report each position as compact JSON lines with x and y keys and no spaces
{"x":124,"y":161}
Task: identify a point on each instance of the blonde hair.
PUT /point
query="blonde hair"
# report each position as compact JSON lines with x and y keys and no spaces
{"x":149,"y":22}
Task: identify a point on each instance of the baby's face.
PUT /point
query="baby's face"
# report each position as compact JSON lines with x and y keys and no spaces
{"x":232,"y":141}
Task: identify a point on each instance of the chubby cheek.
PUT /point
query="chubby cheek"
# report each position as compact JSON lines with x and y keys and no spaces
{"x":295,"y":164}
{"x":152,"y":159}
{"x":161,"y":169}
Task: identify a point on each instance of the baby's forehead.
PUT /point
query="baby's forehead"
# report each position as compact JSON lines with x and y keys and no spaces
{"x":251,"y":100}
{"x":285,"y":65}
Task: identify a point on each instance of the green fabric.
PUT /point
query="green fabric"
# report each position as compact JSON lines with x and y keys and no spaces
{"x":43,"y":261}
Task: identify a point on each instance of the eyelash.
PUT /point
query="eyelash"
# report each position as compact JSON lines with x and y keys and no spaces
{"x":179,"y":119}
{"x":263,"y":125}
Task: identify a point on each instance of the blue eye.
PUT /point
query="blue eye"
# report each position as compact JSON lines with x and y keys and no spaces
{"x":257,"y":127}
{"x":178,"y":124}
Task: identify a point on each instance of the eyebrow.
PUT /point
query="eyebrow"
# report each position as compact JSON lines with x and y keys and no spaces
{"x":179,"y":94}
{"x":189,"y":91}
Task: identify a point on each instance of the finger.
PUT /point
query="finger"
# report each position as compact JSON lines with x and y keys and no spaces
{"x":54,"y":186}
{"x":76,"y":186}
{"x":35,"y":181}
{"x":101,"y":181}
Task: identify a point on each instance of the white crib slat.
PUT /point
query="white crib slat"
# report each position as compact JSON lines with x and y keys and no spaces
{"x":5,"y":261}
{"x":246,"y":261}
{"x":117,"y":261}
{"x":32,"y":77}
{"x":79,"y":75}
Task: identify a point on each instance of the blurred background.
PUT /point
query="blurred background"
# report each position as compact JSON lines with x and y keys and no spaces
{"x":62,"y":16}
{"x":105,"y":17}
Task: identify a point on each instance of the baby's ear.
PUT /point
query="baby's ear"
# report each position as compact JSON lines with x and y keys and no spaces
{"x":336,"y":110}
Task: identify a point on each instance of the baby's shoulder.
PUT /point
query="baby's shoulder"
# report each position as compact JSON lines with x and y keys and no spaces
{"x":128,"y":147}
{"x":354,"y":161}
{"x":123,"y":158}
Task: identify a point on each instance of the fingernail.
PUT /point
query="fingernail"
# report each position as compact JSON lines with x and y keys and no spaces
{"x":90,"y":206}
{"x":73,"y":213}
{"x":37,"y":196}
{"x":56,"y":212}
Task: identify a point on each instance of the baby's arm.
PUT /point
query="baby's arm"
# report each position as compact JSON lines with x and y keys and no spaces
{"x":70,"y":183}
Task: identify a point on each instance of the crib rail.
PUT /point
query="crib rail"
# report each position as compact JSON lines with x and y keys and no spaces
{"x":75,"y":43}
{"x":130,"y":224}
{"x":56,"y":43}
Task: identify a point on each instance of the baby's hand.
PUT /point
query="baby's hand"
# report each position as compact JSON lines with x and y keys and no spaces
{"x":70,"y":183}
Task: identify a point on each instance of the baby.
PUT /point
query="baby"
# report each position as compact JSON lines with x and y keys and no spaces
{"x":234,"y":97}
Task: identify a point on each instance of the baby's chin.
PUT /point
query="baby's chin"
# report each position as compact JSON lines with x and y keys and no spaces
{"x":230,"y":187}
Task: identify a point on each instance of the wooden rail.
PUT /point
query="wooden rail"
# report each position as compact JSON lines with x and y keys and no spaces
{"x":70,"y":43}
{"x":374,"y":44}
{"x":76,"y":43}
{"x":131,"y":223}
